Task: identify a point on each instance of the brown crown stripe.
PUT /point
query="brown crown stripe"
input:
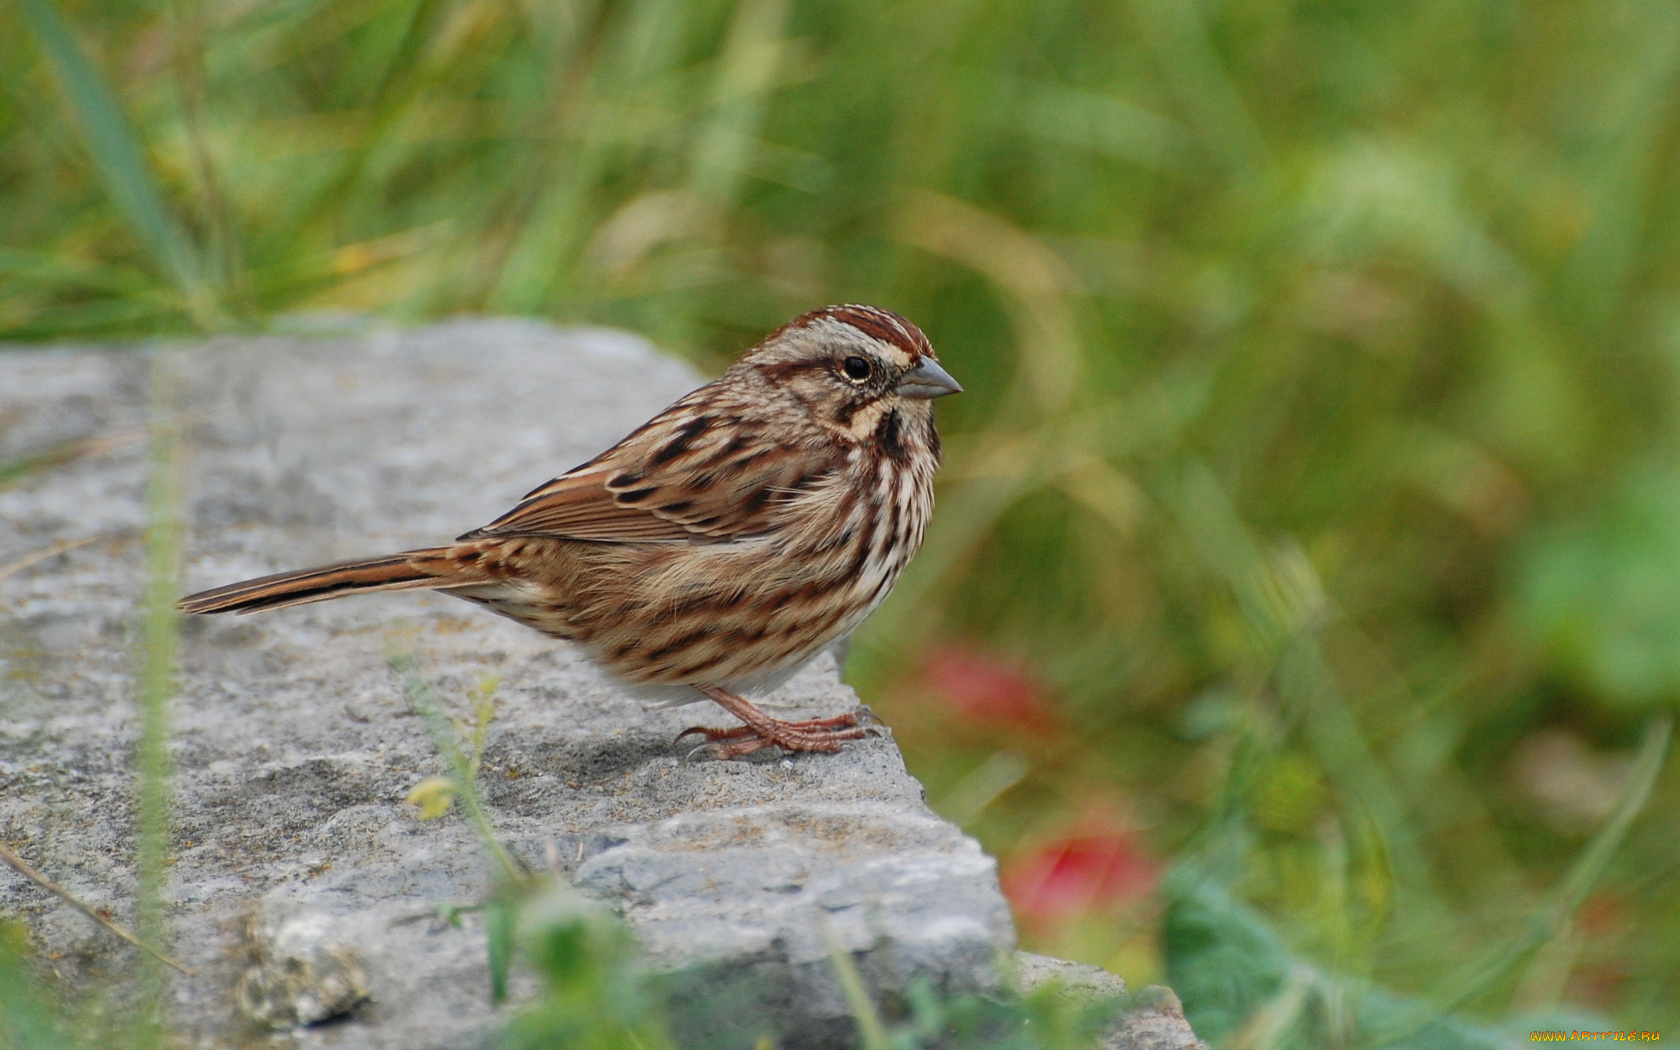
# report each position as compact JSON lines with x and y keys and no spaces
{"x":878,"y":323}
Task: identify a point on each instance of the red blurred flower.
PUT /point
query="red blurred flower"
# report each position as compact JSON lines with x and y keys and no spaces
{"x":986,"y":688}
{"x":1078,"y":874}
{"x":1602,"y":916}
{"x":1599,"y":984}
{"x":1602,"y":975}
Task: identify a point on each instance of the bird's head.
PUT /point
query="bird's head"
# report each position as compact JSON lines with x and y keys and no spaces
{"x":864,"y":373}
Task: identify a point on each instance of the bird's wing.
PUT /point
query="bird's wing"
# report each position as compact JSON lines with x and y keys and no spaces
{"x":688,"y":475}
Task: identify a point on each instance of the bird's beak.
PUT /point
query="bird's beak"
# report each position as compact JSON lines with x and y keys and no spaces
{"x":927,"y":380}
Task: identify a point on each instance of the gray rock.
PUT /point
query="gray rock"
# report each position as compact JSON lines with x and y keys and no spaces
{"x":295,"y":746}
{"x":1153,"y":1019}
{"x":304,"y":968}
{"x":1075,"y":980}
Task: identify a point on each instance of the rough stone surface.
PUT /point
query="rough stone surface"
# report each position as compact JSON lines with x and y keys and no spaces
{"x":1155,"y":1022}
{"x":303,"y":971}
{"x":295,"y":745}
{"x":1153,"y":1018}
{"x":1072,"y":979}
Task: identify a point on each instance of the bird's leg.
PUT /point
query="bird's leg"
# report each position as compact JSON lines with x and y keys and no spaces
{"x":762,"y":731}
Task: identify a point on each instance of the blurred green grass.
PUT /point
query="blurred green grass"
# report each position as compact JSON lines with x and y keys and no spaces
{"x":1318,"y":463}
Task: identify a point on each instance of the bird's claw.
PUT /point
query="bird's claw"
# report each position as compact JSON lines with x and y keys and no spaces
{"x":814,"y":734}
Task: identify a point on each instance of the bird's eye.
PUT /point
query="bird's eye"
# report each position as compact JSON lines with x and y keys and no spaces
{"x":856,"y":368}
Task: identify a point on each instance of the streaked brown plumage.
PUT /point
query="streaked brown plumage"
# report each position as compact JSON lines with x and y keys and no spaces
{"x":723,"y":543}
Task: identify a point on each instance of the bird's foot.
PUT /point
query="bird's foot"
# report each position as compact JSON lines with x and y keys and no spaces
{"x":813,"y":734}
{"x":762,"y":731}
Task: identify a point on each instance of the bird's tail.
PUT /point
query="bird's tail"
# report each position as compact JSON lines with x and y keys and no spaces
{"x":436,"y":567}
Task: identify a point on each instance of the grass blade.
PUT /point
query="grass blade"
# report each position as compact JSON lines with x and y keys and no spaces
{"x":429,"y":706}
{"x":160,"y":638}
{"x":120,"y":160}
{"x":501,"y":919}
{"x":13,"y":470}
{"x":28,"y":871}
{"x":872,"y":1033}
{"x":1584,"y":874}
{"x":15,"y":567}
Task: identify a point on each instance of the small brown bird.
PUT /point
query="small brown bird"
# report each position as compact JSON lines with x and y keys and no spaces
{"x":722,"y":544}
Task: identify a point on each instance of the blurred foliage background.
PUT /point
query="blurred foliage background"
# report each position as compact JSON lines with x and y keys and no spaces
{"x":1313,"y":513}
